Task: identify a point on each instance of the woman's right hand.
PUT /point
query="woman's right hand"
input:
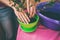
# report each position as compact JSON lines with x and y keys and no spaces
{"x":21,"y":15}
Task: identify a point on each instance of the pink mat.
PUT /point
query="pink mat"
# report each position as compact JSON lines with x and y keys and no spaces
{"x":41,"y":33}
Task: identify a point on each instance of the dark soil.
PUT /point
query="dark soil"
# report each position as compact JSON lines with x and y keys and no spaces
{"x":32,"y":20}
{"x":51,"y":15}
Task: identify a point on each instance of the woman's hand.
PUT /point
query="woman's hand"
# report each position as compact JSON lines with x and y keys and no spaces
{"x":5,"y":2}
{"x":31,"y":8}
{"x":21,"y":15}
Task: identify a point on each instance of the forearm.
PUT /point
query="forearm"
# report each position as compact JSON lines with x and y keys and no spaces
{"x":5,"y":2}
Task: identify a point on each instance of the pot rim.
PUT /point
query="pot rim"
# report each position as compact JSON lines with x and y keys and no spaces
{"x":45,"y":17}
{"x":50,"y":19}
{"x":37,"y":19}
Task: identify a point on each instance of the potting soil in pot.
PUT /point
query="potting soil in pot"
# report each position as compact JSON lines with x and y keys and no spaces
{"x":32,"y":20}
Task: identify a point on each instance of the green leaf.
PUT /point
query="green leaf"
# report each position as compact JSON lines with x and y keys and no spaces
{"x":51,"y":2}
{"x":17,"y":8}
{"x":37,"y":0}
{"x":21,"y":5}
{"x":23,"y":1}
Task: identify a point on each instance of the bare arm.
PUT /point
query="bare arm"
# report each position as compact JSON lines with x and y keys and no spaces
{"x":21,"y":15}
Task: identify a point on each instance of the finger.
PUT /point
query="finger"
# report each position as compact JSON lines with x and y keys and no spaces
{"x":26,"y":16}
{"x":28,"y":5}
{"x":32,"y":8}
{"x":20,"y":15}
{"x":34,"y":11}
{"x":31,"y":12}
{"x":30,"y":15}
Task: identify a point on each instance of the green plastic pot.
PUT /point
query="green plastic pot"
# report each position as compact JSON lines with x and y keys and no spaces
{"x":31,"y":26}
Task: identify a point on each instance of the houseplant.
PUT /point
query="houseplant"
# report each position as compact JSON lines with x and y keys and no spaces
{"x":49,"y":13}
{"x":27,"y":18}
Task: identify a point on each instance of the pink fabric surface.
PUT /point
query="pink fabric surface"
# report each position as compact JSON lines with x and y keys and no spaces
{"x":41,"y":33}
{"x":58,"y":38}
